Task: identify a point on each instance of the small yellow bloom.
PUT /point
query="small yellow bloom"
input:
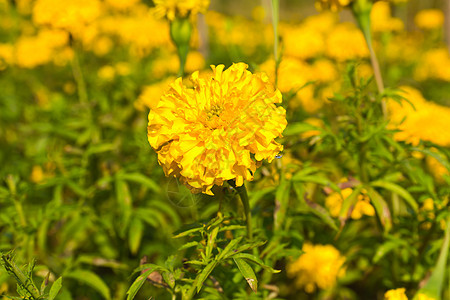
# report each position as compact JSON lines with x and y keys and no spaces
{"x":318,"y":267}
{"x":333,"y":5}
{"x":382,"y":20}
{"x":428,"y":121}
{"x":218,"y":130}
{"x":151,"y":94}
{"x":397,"y":294}
{"x":362,"y":207}
{"x":180,"y":8}
{"x":429,"y":19}
{"x":422,"y":296}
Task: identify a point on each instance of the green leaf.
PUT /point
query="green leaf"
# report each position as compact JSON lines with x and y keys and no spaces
{"x":188,"y":230}
{"x":256,"y":260}
{"x":387,"y":247}
{"x":142,"y":179}
{"x":315,"y":179}
{"x":281,"y":203}
{"x":54,"y":290}
{"x":135,"y":234}
{"x":137,"y":284}
{"x":395,"y":188}
{"x":347,"y":203}
{"x":211,"y":241}
{"x":298,"y":128}
{"x":248,"y":273}
{"x":381,"y":208}
{"x":125,"y":205}
{"x":91,"y":279}
{"x":198,"y":282}
{"x":433,"y":288}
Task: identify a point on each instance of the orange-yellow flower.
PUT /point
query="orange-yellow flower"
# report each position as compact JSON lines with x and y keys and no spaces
{"x":180,"y":8}
{"x":218,"y":130}
{"x":320,"y":266}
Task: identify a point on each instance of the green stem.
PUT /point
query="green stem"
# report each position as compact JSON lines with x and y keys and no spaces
{"x":20,"y":277}
{"x":275,"y":20}
{"x":242,"y":191}
{"x":79,"y":79}
{"x":361,"y":11}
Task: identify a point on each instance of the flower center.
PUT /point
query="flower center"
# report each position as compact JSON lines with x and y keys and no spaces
{"x":214,"y":111}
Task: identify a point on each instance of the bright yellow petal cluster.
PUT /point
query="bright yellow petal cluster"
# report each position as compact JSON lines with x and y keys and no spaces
{"x":429,"y":19}
{"x":218,"y":130}
{"x":361,"y":208}
{"x":428,"y":121}
{"x":318,"y":267}
{"x":397,"y":294}
{"x":180,"y":8}
{"x":333,"y":5}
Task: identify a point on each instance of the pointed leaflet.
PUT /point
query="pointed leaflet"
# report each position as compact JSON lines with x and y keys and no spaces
{"x":247,"y":272}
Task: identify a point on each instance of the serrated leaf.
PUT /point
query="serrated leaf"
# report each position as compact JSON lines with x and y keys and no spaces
{"x":395,"y":188}
{"x":54,"y":290}
{"x":91,"y":279}
{"x":248,"y":273}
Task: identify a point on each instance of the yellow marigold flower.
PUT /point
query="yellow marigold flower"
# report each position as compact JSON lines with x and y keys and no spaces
{"x":218,"y":130}
{"x":32,"y":51}
{"x":333,"y":5}
{"x":429,"y":19}
{"x":6,"y":55}
{"x":345,"y":41}
{"x":318,"y":267}
{"x":71,"y":15}
{"x":180,"y":8}
{"x":382,"y":20}
{"x":434,"y":64}
{"x":397,"y":294}
{"x":302,"y":41}
{"x":362,"y":207}
{"x":428,"y":121}
{"x":121,"y":4}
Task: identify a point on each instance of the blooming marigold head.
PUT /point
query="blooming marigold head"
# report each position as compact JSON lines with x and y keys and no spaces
{"x":180,"y":8}
{"x":218,"y":130}
{"x":319,"y":267}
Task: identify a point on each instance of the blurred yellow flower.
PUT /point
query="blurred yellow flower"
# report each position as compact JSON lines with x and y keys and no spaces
{"x":318,"y":267}
{"x":429,"y":19}
{"x":32,"y":51}
{"x":180,"y":8}
{"x":428,"y":121}
{"x":333,"y":5}
{"x":151,"y":94}
{"x":433,"y":64}
{"x":362,"y":207}
{"x":6,"y":55}
{"x":316,"y":122}
{"x":302,"y":41}
{"x":71,"y":15}
{"x":121,"y":4}
{"x":382,"y":20}
{"x":107,"y":73}
{"x":220,"y":130}
{"x":397,"y":294}
{"x":422,"y":296}
{"x":345,"y":41}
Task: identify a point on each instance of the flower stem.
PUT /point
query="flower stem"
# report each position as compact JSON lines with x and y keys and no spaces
{"x":361,"y":10}
{"x":275,"y":19}
{"x":242,"y":191}
{"x":79,"y":79}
